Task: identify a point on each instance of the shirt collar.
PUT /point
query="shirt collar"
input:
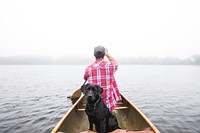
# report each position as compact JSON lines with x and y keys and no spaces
{"x":98,"y":62}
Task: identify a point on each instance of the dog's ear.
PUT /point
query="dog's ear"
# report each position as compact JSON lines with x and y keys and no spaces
{"x":83,"y":88}
{"x":99,"y":89}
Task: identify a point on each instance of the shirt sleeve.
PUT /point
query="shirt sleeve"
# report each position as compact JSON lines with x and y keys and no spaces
{"x":114,"y":65}
{"x":86,"y":74}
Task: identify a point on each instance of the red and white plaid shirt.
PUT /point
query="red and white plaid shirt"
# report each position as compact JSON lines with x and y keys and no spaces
{"x":101,"y":73}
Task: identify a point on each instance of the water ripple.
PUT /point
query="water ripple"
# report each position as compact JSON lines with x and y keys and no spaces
{"x":34,"y":98}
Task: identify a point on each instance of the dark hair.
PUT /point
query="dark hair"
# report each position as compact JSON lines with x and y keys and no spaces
{"x":99,"y":55}
{"x":99,"y":52}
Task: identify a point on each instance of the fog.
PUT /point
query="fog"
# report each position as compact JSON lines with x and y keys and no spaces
{"x":55,"y":32}
{"x":78,"y":60}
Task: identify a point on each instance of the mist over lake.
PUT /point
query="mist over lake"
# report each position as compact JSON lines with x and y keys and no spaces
{"x":34,"y":97}
{"x":83,"y":60}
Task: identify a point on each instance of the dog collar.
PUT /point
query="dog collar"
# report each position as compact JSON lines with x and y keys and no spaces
{"x":95,"y":104}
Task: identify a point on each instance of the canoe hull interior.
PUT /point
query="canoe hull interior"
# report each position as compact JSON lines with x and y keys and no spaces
{"x":128,"y":116}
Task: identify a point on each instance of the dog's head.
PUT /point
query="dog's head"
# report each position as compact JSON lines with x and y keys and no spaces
{"x":91,"y":91}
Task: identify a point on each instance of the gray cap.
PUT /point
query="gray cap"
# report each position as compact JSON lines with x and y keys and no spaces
{"x":99,"y":50}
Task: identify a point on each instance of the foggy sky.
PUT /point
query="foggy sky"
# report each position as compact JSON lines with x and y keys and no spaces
{"x":127,"y":28}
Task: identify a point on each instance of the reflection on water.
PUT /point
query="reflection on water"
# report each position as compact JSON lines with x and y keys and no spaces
{"x":34,"y":98}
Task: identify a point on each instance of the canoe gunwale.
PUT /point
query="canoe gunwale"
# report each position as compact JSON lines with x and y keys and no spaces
{"x":55,"y":130}
{"x":142,"y":114}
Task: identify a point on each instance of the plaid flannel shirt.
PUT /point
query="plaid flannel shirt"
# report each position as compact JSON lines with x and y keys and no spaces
{"x":101,"y":73}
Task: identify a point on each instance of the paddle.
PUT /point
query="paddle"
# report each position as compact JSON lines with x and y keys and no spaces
{"x":75,"y":96}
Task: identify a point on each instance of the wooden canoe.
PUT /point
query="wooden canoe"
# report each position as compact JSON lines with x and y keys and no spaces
{"x":130,"y":118}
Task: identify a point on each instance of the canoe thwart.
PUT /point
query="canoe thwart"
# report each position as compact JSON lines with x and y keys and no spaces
{"x":116,"y":108}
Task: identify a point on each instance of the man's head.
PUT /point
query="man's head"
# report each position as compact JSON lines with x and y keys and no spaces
{"x":99,"y":52}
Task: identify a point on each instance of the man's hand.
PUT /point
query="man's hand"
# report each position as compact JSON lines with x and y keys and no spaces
{"x":106,"y":51}
{"x":110,"y":58}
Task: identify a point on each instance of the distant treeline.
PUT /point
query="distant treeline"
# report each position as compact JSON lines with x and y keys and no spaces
{"x":47,"y":60}
{"x":168,"y":60}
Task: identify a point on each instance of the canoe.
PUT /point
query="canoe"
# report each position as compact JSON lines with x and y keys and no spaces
{"x":130,"y":118}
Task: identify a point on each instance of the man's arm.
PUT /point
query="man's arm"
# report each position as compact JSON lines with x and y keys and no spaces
{"x":110,"y":58}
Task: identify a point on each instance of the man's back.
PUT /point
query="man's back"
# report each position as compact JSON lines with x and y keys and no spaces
{"x":101,"y":73}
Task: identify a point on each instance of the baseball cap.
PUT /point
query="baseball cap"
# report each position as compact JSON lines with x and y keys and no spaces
{"x":99,"y":50}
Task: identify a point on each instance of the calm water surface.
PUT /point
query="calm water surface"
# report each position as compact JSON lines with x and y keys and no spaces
{"x":34,"y":98}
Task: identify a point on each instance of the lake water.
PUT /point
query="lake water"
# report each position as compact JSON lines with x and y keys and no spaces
{"x":34,"y":98}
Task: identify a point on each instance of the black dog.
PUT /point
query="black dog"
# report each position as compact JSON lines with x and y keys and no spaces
{"x":97,"y":111}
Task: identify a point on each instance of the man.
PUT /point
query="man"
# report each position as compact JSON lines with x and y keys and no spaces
{"x":101,"y":73}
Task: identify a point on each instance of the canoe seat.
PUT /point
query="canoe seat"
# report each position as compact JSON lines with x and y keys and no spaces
{"x":116,"y":108}
{"x":121,"y":107}
{"x":118,"y":104}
